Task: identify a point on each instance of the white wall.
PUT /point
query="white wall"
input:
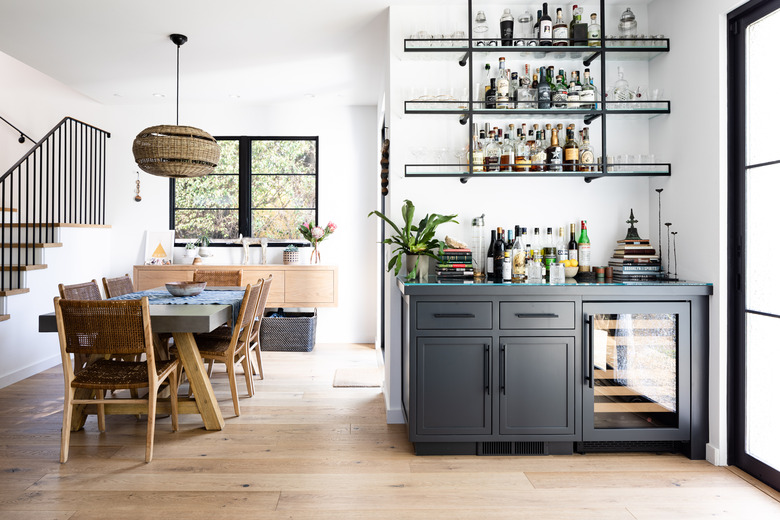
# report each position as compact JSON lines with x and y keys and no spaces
{"x":694,"y":198}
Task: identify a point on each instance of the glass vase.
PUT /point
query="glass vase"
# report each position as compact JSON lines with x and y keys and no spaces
{"x":315,"y":255}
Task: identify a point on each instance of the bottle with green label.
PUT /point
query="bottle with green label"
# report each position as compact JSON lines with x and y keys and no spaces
{"x":583,"y":248}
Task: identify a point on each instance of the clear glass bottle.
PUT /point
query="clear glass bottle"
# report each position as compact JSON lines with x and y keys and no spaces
{"x":478,"y":246}
{"x":588,"y":93}
{"x":480,"y":29}
{"x":507,"y":23}
{"x":492,"y":153}
{"x":554,"y":154}
{"x":621,"y":91}
{"x":571,"y":152}
{"x":518,"y":257}
{"x":522,"y":159}
{"x":502,"y":85}
{"x":477,"y":153}
{"x":587,"y":157}
{"x":561,"y":247}
{"x":538,"y":154}
{"x":560,"y":29}
{"x":627,"y":25}
{"x":560,"y":95}
{"x":525,"y":28}
{"x":573,"y":97}
{"x":507,"y":160}
{"x":594,"y":32}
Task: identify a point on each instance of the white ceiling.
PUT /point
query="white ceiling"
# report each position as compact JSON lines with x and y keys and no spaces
{"x":264,"y":52}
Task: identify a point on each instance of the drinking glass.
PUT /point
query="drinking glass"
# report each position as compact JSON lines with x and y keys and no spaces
{"x":557,"y":273}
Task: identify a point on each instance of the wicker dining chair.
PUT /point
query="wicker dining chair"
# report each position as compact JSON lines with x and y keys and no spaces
{"x":112,"y":329}
{"x":231,"y":349}
{"x":118,"y":286}
{"x":254,"y":336}
{"x":80,"y":291}
{"x":230,"y":278}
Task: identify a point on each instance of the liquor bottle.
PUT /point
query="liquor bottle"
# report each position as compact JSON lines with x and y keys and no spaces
{"x":544,"y":91}
{"x":507,"y":27}
{"x":535,"y":41}
{"x":480,"y":29}
{"x":498,"y":255}
{"x":594,"y":32}
{"x":573,"y":100}
{"x":548,"y":252}
{"x":525,"y":79}
{"x":535,"y":82}
{"x":560,"y":30}
{"x":554,"y":154}
{"x":489,"y":257}
{"x":572,"y":242}
{"x":561,"y":248}
{"x":514,"y":86}
{"x":506,"y":270}
{"x":545,"y":27}
{"x":477,"y":154}
{"x":578,"y":31}
{"x":583,"y":248}
{"x":536,"y":240}
{"x":588,"y":93}
{"x":587,"y":160}
{"x":518,"y":257}
{"x":509,"y":239}
{"x":522,"y":159}
{"x":571,"y":153}
{"x":502,"y":85}
{"x":485,"y":84}
{"x":492,"y":154}
{"x":507,"y":159}
{"x":490,"y":95}
{"x":561,"y":93}
{"x":538,"y":154}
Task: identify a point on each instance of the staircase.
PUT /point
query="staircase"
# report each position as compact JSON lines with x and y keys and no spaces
{"x":59,"y":183}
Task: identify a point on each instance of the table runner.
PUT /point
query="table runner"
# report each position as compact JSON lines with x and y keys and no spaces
{"x":215,"y":297}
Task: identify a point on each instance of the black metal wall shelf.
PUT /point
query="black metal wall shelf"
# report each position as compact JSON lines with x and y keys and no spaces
{"x":461,"y":171}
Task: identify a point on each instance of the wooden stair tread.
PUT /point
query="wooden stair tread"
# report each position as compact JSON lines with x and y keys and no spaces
{"x":11,"y":292}
{"x":4,"y":317}
{"x":8,"y":209}
{"x":55,"y":225}
{"x":37,"y":245}
{"x":24,"y":267}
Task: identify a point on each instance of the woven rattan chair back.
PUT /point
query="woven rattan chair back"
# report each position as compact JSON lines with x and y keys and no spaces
{"x":106,"y":330}
{"x":254,"y":334}
{"x":80,"y":291}
{"x":218,"y":278}
{"x":118,"y":286}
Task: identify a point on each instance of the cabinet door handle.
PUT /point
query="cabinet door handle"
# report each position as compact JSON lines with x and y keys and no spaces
{"x":486,"y":368}
{"x":536,"y":315}
{"x":589,"y":352}
{"x":502,"y":370}
{"x":454,"y":315}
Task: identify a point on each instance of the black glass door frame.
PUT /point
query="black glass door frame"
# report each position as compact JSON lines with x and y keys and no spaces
{"x":683,"y":430}
{"x":738,"y":21}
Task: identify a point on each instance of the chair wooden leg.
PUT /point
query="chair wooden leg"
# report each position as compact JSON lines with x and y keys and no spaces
{"x":211,"y":367}
{"x":259,"y":362}
{"x":67,"y":416}
{"x":101,"y":410}
{"x":150,"y":423}
{"x":173,"y":380}
{"x":231,"y":371}
{"x":250,"y":383}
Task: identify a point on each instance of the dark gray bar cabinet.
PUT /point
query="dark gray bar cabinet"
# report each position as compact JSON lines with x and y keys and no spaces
{"x":491,"y":368}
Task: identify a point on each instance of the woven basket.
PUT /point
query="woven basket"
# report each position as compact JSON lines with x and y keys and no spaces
{"x":294,"y":332}
{"x":176,"y":151}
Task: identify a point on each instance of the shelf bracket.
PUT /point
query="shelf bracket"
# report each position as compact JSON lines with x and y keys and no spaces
{"x":463,"y":61}
{"x":589,"y":179}
{"x":464,"y":119}
{"x":587,"y":61}
{"x":590,"y":118}
{"x":464,"y":180}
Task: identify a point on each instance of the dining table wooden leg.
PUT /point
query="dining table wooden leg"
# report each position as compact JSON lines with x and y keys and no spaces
{"x":199,"y":381}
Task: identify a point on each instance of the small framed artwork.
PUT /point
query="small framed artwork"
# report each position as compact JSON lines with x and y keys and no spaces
{"x":159,"y":248}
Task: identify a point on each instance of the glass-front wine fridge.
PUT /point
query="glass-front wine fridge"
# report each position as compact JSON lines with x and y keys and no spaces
{"x":636,"y":370}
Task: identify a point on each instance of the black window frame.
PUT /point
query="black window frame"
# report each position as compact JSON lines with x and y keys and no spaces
{"x":245,"y":188}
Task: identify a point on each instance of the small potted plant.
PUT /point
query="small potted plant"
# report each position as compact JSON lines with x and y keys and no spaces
{"x":290,"y":255}
{"x":190,"y":249}
{"x":203,"y":242}
{"x":416,"y":241}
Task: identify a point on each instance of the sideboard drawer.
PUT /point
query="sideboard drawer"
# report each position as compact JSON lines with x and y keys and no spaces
{"x":454,"y":315}
{"x":536,"y":315}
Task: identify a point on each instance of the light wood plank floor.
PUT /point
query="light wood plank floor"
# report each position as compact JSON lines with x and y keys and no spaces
{"x":304,"y":450}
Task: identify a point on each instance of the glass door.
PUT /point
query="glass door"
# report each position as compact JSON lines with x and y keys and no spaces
{"x":754,"y":181}
{"x":637,"y":371}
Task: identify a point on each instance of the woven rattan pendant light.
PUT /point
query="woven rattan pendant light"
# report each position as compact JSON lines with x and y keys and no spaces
{"x":176,"y":151}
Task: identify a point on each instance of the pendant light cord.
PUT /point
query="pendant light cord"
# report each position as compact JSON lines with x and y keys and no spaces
{"x":178,"y":47}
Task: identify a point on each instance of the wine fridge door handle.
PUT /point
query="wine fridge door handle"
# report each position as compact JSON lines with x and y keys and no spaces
{"x":454,"y":315}
{"x":536,"y":315}
{"x":502,"y":370}
{"x":486,"y":368}
{"x":589,"y":366}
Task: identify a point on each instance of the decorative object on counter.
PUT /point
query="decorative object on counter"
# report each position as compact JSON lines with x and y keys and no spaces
{"x":634,"y":259}
{"x":478,"y":256}
{"x":660,"y":249}
{"x":632,"y":233}
{"x":203,"y":243}
{"x":264,"y":248}
{"x":159,"y":247}
{"x":674,"y":246}
{"x":137,"y":187}
{"x":627,"y":25}
{"x":414,"y":239}
{"x":190,"y":250}
{"x":669,"y":276}
{"x":197,"y":260}
{"x":245,"y":242}
{"x":176,"y":151}
{"x":315,"y":235}
{"x":453,"y":263}
{"x":290,"y":255}
{"x":185,"y":288}
{"x":453,"y":243}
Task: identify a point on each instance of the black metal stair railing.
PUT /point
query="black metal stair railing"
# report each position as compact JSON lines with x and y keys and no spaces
{"x":61,"y":180}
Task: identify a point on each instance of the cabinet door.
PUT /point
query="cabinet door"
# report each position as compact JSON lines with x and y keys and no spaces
{"x":637,"y":371}
{"x":453,"y":385}
{"x":536,"y":386}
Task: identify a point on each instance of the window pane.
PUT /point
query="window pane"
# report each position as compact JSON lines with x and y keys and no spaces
{"x":283,"y":191}
{"x":283,"y":156}
{"x":763,"y":39}
{"x":211,"y":191}
{"x":214,"y":223}
{"x":762,"y":285}
{"x":279,"y":224}
{"x":228,"y":158}
{"x":762,"y":387}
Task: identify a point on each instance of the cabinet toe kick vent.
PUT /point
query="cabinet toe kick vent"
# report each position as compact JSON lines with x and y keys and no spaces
{"x":617,"y":446}
{"x":512,"y":448}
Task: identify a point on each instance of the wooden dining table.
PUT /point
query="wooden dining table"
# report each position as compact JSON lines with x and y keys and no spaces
{"x":182,"y":318}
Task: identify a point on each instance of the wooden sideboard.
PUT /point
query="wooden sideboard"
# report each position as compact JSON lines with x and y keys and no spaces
{"x":293,"y":285}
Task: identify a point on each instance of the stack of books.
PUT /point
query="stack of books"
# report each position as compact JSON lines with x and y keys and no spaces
{"x":635,"y":260}
{"x":455,"y":264}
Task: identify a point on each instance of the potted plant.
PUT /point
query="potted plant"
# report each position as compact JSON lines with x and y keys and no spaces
{"x":290,"y":255}
{"x":190,"y":249}
{"x":203,"y":242}
{"x":416,"y":241}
